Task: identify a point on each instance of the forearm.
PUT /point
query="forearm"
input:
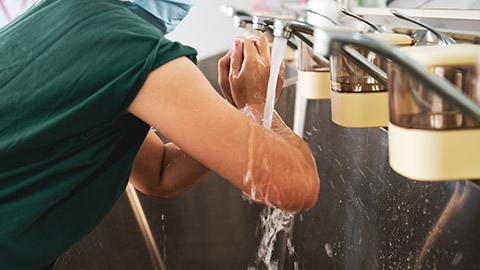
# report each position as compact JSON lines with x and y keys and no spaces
{"x":281,"y":169}
{"x":256,"y":111}
{"x":179,"y":172}
{"x":164,"y":171}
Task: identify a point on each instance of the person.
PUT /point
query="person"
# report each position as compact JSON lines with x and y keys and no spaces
{"x":82,"y":83}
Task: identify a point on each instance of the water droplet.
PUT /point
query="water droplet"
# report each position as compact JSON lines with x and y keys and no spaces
{"x":458,"y":257}
{"x":328,"y":249}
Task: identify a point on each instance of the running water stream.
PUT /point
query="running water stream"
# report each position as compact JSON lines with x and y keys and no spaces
{"x":278,"y":51}
{"x":272,"y":221}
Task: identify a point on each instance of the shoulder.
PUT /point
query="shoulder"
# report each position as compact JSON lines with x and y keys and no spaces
{"x":94,"y":15}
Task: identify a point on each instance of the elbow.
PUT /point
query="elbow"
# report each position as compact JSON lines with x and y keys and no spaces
{"x":304,"y":193}
{"x":154,"y":191}
{"x":161,"y":196}
{"x":298,"y":189}
{"x":306,"y":183}
{"x":311,"y":197}
{"x":296,"y":199}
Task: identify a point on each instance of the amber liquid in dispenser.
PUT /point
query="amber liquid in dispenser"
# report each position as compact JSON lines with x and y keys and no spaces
{"x":347,"y":76}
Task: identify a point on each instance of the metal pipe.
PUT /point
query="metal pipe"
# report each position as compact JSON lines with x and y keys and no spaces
{"x":152,"y":248}
{"x":326,"y":41}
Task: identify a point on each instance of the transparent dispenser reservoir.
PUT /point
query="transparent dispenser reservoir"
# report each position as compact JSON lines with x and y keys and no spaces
{"x":358,"y":99}
{"x":314,"y":70}
{"x":429,"y":138}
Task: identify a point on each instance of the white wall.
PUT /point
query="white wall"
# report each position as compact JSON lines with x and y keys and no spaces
{"x":13,"y":9}
{"x":206,"y":29}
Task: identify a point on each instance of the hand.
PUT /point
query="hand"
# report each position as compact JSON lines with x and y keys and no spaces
{"x":224,"y":70}
{"x":250,"y":70}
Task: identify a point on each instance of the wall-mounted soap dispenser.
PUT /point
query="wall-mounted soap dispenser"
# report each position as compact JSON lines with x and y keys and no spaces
{"x":359,"y":99}
{"x":314,"y":70}
{"x":429,"y":138}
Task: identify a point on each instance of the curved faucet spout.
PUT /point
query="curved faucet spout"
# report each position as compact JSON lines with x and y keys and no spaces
{"x":242,"y":21}
{"x":262,"y":23}
{"x":285,"y":28}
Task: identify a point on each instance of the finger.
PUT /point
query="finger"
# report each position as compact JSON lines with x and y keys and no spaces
{"x":236,"y":59}
{"x":223,"y":71}
{"x":224,"y":62}
{"x":240,"y":38}
{"x":250,"y":51}
{"x":263,"y":47}
{"x":281,"y":74}
{"x":280,"y":81}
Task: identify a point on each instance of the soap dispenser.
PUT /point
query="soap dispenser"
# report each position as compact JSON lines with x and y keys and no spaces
{"x":314,"y":70}
{"x":360,"y":100}
{"x":429,"y":138}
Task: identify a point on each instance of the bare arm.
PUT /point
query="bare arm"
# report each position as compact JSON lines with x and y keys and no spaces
{"x":180,"y":103}
{"x":163,"y":171}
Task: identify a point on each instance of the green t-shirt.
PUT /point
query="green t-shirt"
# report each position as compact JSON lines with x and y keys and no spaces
{"x":68,"y":71}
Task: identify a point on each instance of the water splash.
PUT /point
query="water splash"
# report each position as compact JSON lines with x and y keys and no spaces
{"x":272,"y":221}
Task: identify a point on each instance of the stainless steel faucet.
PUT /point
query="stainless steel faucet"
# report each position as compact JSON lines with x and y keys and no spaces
{"x":241,"y":21}
{"x":262,"y":23}
{"x":287,"y":28}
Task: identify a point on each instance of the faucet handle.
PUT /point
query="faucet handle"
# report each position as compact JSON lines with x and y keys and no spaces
{"x":443,"y":38}
{"x":335,"y":22}
{"x":375,"y":27}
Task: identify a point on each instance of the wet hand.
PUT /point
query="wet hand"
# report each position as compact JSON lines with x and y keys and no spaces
{"x":250,"y":70}
{"x":224,"y":70}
